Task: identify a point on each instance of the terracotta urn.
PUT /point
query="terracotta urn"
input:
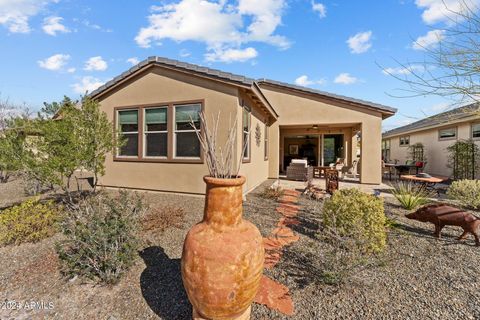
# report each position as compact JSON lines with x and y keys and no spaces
{"x":222,"y":259}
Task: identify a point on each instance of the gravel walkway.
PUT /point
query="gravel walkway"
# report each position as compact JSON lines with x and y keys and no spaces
{"x":419,"y":277}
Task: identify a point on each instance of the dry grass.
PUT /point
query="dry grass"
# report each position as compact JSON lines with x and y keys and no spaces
{"x":160,"y":219}
{"x":271,"y":193}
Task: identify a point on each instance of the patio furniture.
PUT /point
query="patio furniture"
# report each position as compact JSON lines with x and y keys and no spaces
{"x":387,"y":169}
{"x":401,"y":169}
{"x":331,"y":180}
{"x":426,"y":183}
{"x":352,"y":172}
{"x":299,"y":170}
{"x":319,"y":171}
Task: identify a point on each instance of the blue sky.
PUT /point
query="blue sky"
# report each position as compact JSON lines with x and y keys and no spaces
{"x":51,"y":48}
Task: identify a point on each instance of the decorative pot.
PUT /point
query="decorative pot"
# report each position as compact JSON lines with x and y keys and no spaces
{"x":222,"y":259}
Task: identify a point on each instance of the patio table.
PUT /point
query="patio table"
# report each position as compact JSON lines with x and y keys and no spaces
{"x":425,"y":183}
{"x":401,"y":168}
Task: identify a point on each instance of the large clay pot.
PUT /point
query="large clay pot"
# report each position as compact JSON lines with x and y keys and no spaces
{"x":222,"y":260}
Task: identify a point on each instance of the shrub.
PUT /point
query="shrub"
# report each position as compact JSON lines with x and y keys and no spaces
{"x":273,"y":193}
{"x":356,"y":215}
{"x":410,"y":196}
{"x":30,"y":221}
{"x":467,"y":192}
{"x":101,"y":236}
{"x":164,"y":218}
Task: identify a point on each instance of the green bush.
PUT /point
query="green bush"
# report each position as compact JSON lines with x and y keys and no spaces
{"x":356,"y":215}
{"x":101,"y":236}
{"x":30,"y":221}
{"x":410,"y":196}
{"x":273,"y":193}
{"x":467,"y":192}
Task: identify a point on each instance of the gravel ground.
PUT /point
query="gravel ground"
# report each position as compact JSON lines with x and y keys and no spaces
{"x":419,"y":277}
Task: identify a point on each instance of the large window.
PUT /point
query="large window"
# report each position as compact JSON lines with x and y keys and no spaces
{"x":476,"y":130}
{"x":246,"y":133}
{"x":404,"y":141}
{"x":186,"y":140}
{"x":447,"y":134}
{"x":156,"y":132}
{"x":128,"y":127}
{"x":159,"y":133}
{"x":265,"y":137}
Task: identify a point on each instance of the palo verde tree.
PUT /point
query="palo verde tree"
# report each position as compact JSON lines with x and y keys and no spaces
{"x":451,"y":67}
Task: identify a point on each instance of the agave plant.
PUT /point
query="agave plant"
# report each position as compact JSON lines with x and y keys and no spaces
{"x":410,"y":196}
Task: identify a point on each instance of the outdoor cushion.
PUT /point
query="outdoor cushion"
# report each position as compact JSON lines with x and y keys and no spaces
{"x":300,"y":161}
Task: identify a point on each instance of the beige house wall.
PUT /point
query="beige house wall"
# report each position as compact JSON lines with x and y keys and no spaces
{"x":155,"y":87}
{"x":300,"y":109}
{"x":435,"y":149}
{"x":256,"y":169}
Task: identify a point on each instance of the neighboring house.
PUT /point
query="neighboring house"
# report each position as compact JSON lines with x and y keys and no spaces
{"x":436,"y":133}
{"x":152,"y":104}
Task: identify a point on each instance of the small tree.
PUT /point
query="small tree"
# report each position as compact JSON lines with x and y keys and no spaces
{"x":464,"y":159}
{"x":96,"y":137}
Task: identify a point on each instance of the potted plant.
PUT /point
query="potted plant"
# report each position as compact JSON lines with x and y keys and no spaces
{"x":223,"y":255}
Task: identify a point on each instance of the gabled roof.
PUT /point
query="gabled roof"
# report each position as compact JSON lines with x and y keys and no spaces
{"x":444,"y":118}
{"x":234,"y":79}
{"x":371,"y":105}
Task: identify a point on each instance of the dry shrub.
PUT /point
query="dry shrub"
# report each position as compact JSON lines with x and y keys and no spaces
{"x":31,"y":221}
{"x":273,"y":193}
{"x":160,"y":219}
{"x":101,"y":236}
{"x":467,"y":192}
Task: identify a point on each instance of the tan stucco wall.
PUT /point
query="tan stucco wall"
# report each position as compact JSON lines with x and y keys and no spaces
{"x":435,"y":149}
{"x":256,"y":170}
{"x":298,"y":109}
{"x":159,"y":86}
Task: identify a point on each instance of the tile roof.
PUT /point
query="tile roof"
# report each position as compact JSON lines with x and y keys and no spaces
{"x":230,"y":77}
{"x":438,"y":119}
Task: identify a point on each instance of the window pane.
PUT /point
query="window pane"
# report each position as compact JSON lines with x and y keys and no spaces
{"x":476,"y":130}
{"x":187,"y":144}
{"x":128,"y":117}
{"x":246,"y":149}
{"x":128,"y":128}
{"x":448,"y":133}
{"x":246,"y":120}
{"x":184,"y":114}
{"x":156,"y":144}
{"x":130,"y":148}
{"x":157,"y":115}
{"x":157,"y":127}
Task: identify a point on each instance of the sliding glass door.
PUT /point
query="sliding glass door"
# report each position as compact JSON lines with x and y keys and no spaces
{"x":332,"y":148}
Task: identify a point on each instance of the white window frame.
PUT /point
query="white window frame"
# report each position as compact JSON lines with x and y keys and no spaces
{"x":145,"y":132}
{"x":248,"y":144}
{"x":265,"y":141}
{"x":121,"y":133}
{"x":471,"y":130}
{"x":447,"y":138}
{"x":175,"y":131}
{"x":404,"y":144}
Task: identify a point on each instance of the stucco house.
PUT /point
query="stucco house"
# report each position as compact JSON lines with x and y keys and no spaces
{"x":436,"y":133}
{"x":153,"y":101}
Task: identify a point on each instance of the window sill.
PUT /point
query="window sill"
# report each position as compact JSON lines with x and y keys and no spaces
{"x":158,"y":160}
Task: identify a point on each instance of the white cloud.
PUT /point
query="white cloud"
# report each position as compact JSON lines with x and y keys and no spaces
{"x":95,"y":64}
{"x":52,"y":25}
{"x":87,"y":84}
{"x":360,"y":42}
{"x":220,"y":25}
{"x":403,"y":70}
{"x":133,"y":61}
{"x":15,"y":14}
{"x":184,"y":53}
{"x":55,"y":62}
{"x":445,"y":10}
{"x":345,"y":78}
{"x":71,"y":70}
{"x":320,"y":9}
{"x":304,"y":81}
{"x":429,"y":40}
{"x":231,"y":55}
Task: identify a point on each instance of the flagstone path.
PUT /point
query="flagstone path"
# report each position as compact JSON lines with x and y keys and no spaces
{"x":271,"y":293}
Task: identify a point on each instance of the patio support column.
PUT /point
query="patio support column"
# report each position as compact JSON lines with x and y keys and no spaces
{"x":371,"y":151}
{"x":274,"y":150}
